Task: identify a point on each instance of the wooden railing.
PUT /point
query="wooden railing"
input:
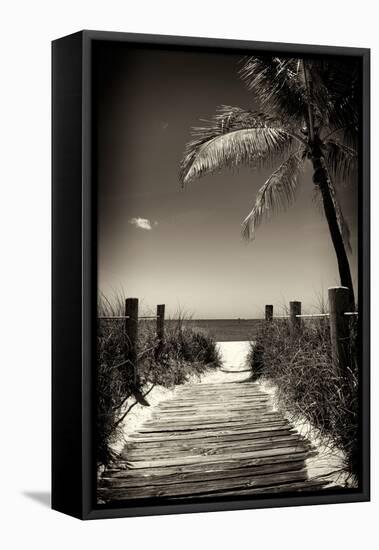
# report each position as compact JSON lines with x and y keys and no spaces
{"x":131,"y":319}
{"x":338,"y":315}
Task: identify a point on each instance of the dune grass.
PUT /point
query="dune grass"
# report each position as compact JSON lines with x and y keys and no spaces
{"x":308,"y":385}
{"x":185,"y":352}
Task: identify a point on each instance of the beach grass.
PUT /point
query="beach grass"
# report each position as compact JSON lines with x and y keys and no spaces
{"x":185,"y":352}
{"x":309,"y":387}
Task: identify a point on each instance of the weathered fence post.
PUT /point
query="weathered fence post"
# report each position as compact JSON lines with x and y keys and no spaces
{"x":160,"y":330}
{"x":339,"y":304}
{"x":160,"y":322}
{"x":295,"y":309}
{"x":269,"y":312}
{"x":131,"y":331}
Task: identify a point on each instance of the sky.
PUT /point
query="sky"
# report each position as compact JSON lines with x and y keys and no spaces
{"x":183,"y":247}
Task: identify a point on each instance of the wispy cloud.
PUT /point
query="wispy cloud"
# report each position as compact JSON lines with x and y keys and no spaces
{"x":142,"y":223}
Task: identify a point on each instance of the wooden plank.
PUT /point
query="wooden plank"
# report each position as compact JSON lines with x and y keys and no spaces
{"x":210,"y":437}
{"x":220,"y":405}
{"x":196,"y":432}
{"x":206,"y":487}
{"x":185,"y":418}
{"x":176,"y":446}
{"x":301,"y":486}
{"x":200,"y":433}
{"x":229,"y":405}
{"x":222,"y":394}
{"x":212,"y":449}
{"x":251,"y":416}
{"x":182,"y":461}
{"x":241,"y":392}
{"x":188,"y":427}
{"x":253,"y":412}
{"x":236,"y":452}
{"x":207,"y":397}
{"x":181,"y":426}
{"x":221,"y":466}
{"x":215,"y":442}
{"x":227,"y":419}
{"x":220,"y":410}
{"x":125,"y":479}
{"x":227,"y":384}
{"x":239,"y":406}
{"x":205,"y":400}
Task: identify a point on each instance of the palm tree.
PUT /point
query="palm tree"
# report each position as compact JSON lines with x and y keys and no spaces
{"x":309,"y":112}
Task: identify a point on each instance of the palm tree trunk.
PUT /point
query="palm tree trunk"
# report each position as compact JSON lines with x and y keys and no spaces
{"x":320,"y":178}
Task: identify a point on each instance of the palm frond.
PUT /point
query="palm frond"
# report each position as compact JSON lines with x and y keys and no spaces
{"x":234,"y":137}
{"x":336,"y":91}
{"x":277,"y":84}
{"x":340,"y":159}
{"x":277,"y":193}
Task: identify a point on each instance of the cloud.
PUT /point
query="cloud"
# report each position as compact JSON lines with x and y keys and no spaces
{"x":142,"y":223}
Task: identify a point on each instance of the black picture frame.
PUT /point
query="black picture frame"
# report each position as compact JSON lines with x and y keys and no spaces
{"x":74,"y":278}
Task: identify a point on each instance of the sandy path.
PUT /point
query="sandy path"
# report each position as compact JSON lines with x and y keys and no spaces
{"x":211,"y":439}
{"x":327,"y":464}
{"x":233,"y":361}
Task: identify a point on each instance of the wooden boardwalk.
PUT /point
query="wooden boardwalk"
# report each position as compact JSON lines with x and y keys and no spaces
{"x":220,"y":439}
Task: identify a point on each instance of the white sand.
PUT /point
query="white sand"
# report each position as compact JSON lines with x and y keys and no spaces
{"x":234,"y":367}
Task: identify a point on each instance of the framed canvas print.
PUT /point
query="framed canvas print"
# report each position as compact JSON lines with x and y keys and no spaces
{"x":210,"y":275}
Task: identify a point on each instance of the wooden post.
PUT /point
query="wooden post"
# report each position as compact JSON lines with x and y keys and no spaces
{"x":339,"y":303}
{"x":269,"y":312}
{"x":160,"y":322}
{"x":160,"y":330}
{"x":131,"y":331}
{"x":295,"y":309}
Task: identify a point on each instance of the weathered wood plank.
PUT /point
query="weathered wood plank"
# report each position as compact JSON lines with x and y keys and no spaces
{"x":209,"y":437}
{"x":232,"y":415}
{"x":194,"y":425}
{"x":209,"y":432}
{"x":211,"y":413}
{"x":207,"y":401}
{"x":195,"y":429}
{"x":208,"y":487}
{"x":171,"y":457}
{"x":189,"y":459}
{"x":220,"y":408}
{"x":177,"y":445}
{"x":224,"y":466}
{"x":290,"y":488}
{"x":127,"y":478}
{"x":251,"y":419}
{"x":207,"y":446}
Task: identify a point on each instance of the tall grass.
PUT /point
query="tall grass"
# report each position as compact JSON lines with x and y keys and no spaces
{"x":308,"y":385}
{"x":184,"y":353}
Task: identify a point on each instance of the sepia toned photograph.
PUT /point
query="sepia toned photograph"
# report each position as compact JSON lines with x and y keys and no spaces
{"x":228,"y":330}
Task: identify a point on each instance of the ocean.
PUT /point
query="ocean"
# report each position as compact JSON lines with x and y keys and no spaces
{"x":226,"y":330}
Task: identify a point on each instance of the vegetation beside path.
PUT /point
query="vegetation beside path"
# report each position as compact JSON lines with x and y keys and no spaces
{"x":184,"y":353}
{"x":308,"y":386}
